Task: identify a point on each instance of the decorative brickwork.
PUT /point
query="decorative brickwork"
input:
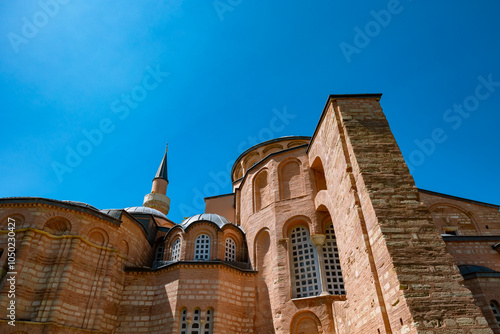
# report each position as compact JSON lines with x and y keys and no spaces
{"x":322,"y":235}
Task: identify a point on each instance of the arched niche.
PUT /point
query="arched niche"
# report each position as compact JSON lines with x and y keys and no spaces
{"x":57,"y":226}
{"x":291,"y":182}
{"x":262,"y":191}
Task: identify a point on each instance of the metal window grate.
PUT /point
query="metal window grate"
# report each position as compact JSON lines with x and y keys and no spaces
{"x":202,"y":248}
{"x":176,"y":250}
{"x":333,"y":272}
{"x":208,"y":322}
{"x":184,"y":325}
{"x":230,"y":250}
{"x":305,"y":269}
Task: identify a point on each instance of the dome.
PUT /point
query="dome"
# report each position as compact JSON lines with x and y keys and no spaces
{"x":145,"y":211}
{"x":85,"y":205}
{"x":211,"y":217}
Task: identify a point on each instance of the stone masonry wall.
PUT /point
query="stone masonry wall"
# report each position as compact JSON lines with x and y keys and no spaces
{"x":419,"y":285}
{"x":152,"y":301}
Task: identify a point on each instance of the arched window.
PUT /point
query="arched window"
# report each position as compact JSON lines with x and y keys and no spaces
{"x":304,"y":264}
{"x":208,"y":322}
{"x":176,"y":250}
{"x":202,"y":248}
{"x":334,"y":280}
{"x":184,"y":325}
{"x":195,"y":324}
{"x":230,"y":250}
{"x":159,"y":252}
{"x":496,"y":311}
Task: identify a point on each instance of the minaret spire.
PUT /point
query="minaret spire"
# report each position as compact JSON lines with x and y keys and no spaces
{"x":158,"y":199}
{"x":162,"y":172}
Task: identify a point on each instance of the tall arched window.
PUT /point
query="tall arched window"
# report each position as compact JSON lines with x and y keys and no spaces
{"x":496,"y":311}
{"x":184,"y":325}
{"x":195,"y":324}
{"x":202,"y":248}
{"x":304,"y":264}
{"x":159,"y":252}
{"x":176,"y":250}
{"x":207,"y":329}
{"x":230,"y":250}
{"x":334,"y":280}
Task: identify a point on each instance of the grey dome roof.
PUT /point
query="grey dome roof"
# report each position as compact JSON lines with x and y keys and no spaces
{"x":145,"y":211}
{"x":211,"y":217}
{"x":85,"y":205}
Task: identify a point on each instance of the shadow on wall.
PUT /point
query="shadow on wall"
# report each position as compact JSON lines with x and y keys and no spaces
{"x":263,"y":317}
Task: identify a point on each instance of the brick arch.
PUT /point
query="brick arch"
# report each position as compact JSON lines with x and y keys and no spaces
{"x":196,"y":230}
{"x":291,"y":183}
{"x":262,"y":232}
{"x":323,"y":201}
{"x":305,"y":322}
{"x":57,"y":226}
{"x":98,"y":236}
{"x":19,"y":220}
{"x":238,"y":172}
{"x":231,"y":232}
{"x":263,"y":262}
{"x":296,"y":221}
{"x":319,"y":174}
{"x":59,"y":214}
{"x":261,"y":190}
{"x":250,"y":159}
{"x":295,"y":143}
{"x":462,"y":225}
{"x":169,"y":242}
{"x":123,"y":247}
{"x":272,"y":149}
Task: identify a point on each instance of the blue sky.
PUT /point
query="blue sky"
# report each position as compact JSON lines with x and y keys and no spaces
{"x":208,"y":77}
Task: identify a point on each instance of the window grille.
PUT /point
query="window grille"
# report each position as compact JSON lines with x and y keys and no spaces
{"x":195,"y":324}
{"x":496,"y":311}
{"x":184,"y":326}
{"x":230,"y":250}
{"x":208,"y":322}
{"x":202,"y":248}
{"x":176,"y":250}
{"x":333,"y":272}
{"x":305,"y":270}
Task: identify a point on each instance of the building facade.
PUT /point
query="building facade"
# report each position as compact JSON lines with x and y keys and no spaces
{"x":321,"y":234}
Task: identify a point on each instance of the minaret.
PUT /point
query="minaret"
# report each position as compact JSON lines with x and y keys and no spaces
{"x":158,"y":199}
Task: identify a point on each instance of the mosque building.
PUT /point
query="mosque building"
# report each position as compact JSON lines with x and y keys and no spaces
{"x":321,"y":234}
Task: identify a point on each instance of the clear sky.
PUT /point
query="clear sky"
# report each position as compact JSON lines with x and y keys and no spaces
{"x":114,"y":81}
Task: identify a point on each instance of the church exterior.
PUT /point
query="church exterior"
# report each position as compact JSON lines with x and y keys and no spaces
{"x":321,"y":234}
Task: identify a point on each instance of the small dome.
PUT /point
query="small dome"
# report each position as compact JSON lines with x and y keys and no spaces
{"x":211,"y":217}
{"x":145,"y":211}
{"x":85,"y":205}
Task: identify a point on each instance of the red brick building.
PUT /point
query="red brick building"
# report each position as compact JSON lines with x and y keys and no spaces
{"x":322,"y":234}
